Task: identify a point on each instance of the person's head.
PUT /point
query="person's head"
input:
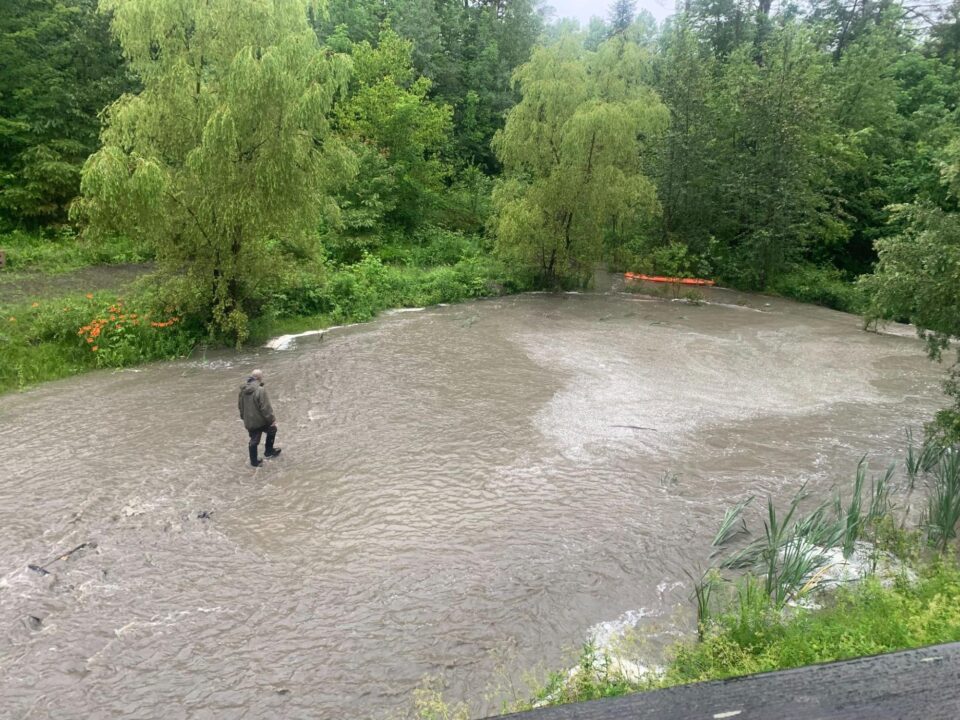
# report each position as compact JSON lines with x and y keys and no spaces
{"x":257,"y":375}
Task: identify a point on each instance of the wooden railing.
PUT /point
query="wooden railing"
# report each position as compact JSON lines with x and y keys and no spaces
{"x":919,"y":684}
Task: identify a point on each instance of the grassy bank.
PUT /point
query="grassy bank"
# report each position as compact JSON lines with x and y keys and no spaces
{"x":60,"y":251}
{"x":50,"y":338}
{"x":770,"y":604}
{"x":53,"y":338}
{"x":867,"y":619}
{"x":820,"y":582}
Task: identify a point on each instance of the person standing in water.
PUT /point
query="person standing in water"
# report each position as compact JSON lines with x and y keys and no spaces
{"x":257,"y":415}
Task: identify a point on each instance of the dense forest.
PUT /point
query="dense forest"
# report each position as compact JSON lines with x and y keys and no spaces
{"x":257,"y":148}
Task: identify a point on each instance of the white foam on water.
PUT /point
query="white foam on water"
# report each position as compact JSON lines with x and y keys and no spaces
{"x":605,"y":635}
{"x":285,"y":342}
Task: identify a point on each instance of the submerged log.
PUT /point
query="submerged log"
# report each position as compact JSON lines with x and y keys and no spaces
{"x":42,"y":570}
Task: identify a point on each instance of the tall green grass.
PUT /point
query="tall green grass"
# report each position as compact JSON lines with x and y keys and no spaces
{"x":55,"y":338}
{"x":943,"y":508}
{"x":59,"y":251}
{"x":863,"y":620}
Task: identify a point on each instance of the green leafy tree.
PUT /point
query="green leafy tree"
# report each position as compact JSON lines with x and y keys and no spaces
{"x":596,"y":32}
{"x":687,"y":170}
{"x":862,"y":95}
{"x":226,"y":155}
{"x":773,"y":156}
{"x":622,"y":14}
{"x":481,"y":43}
{"x":358,"y":20}
{"x":724,"y":25}
{"x":917,"y":278}
{"x":467,"y":49}
{"x":399,"y":135}
{"x":58,"y":68}
{"x":945,"y":36}
{"x":573,"y":151}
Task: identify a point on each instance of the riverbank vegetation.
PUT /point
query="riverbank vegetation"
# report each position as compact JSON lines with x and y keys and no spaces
{"x":56,"y":337}
{"x":255,"y":152}
{"x":59,"y":250}
{"x":871,"y":569}
{"x":748,"y":637}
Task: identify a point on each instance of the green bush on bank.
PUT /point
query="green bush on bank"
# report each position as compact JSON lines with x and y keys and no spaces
{"x":821,"y":286}
{"x":55,"y":338}
{"x":358,"y":292}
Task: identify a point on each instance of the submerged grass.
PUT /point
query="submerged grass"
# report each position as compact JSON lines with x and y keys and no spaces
{"x":729,"y":526}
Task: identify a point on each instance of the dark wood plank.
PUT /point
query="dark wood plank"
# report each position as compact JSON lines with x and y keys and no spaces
{"x":919,"y":684}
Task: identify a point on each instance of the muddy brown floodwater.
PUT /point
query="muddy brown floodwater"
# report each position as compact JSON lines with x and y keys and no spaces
{"x":464,"y":491}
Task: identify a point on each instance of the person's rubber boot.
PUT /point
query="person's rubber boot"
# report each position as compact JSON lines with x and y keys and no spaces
{"x":270,"y":450}
{"x":253,"y":456}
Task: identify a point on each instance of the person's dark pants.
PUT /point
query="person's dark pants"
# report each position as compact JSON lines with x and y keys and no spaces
{"x":255,"y":435}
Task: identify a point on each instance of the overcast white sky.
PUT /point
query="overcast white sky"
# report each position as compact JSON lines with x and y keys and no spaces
{"x":582,"y":10}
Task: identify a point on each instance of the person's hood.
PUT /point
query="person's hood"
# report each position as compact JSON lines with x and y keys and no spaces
{"x":249,"y":386}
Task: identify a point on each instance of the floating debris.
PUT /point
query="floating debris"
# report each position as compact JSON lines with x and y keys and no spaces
{"x":42,"y":568}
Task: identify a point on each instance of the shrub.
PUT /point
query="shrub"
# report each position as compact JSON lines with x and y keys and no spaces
{"x":821,"y":286}
{"x":436,"y":246}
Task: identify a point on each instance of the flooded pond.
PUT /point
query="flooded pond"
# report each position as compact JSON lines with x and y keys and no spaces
{"x":464,"y":491}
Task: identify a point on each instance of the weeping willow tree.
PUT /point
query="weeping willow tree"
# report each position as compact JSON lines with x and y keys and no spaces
{"x":573,"y":152}
{"x":226,"y":155}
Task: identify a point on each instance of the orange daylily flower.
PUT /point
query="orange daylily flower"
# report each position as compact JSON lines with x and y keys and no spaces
{"x":89,"y":296}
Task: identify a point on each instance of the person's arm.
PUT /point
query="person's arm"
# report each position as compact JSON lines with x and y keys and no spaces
{"x":265,"y":408}
{"x":240,"y":404}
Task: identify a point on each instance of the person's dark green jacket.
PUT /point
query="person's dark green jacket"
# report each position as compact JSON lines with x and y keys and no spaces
{"x":254,"y":405}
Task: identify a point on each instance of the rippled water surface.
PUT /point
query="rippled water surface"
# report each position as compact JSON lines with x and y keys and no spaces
{"x":463,"y":491}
